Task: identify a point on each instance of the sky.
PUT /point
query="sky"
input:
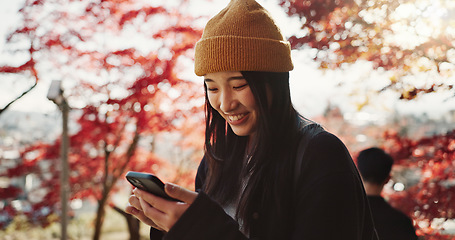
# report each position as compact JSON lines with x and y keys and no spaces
{"x":311,"y":88}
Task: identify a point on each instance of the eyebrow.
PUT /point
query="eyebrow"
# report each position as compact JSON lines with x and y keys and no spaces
{"x":229,"y":79}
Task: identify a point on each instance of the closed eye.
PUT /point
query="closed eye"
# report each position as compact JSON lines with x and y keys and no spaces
{"x":240,"y":87}
{"x":212,"y":89}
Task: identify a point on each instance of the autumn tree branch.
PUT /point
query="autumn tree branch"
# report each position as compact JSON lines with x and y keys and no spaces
{"x":17,"y":98}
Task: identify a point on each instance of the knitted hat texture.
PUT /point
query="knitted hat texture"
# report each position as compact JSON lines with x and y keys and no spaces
{"x":242,"y":37}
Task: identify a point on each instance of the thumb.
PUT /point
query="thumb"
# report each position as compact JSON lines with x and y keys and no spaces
{"x":180,"y":193}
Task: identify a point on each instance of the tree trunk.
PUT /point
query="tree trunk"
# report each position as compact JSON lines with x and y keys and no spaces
{"x":133,"y":223}
{"x":100,"y":217}
{"x":133,"y":227}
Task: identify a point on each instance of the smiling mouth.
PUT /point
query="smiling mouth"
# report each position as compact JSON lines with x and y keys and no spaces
{"x":236,"y":118}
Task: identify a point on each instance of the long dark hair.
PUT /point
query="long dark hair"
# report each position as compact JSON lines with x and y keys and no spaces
{"x":270,"y":166}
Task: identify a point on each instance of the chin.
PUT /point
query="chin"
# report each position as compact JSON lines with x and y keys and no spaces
{"x":241,"y":132}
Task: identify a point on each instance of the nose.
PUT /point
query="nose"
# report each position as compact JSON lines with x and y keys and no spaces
{"x":227,"y":101}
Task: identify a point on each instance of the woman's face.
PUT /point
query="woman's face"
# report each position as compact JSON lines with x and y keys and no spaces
{"x":230,"y":95}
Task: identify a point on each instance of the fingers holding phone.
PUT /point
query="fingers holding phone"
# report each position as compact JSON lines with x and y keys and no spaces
{"x":134,"y":202}
{"x":180,"y":193}
{"x":155,"y":203}
{"x":134,"y":208}
{"x":163,"y":212}
{"x":149,"y":183}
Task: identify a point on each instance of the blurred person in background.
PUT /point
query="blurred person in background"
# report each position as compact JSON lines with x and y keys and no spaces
{"x":375,"y":165}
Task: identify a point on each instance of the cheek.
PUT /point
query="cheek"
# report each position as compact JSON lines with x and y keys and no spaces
{"x":213,"y":101}
{"x":249,"y":101}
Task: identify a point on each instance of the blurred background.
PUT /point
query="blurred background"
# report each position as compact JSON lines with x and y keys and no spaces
{"x":124,"y":97}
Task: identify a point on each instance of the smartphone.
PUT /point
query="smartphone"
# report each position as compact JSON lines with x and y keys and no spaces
{"x":149,"y":183}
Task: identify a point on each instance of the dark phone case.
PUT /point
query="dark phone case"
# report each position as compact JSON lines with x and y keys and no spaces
{"x":149,"y":183}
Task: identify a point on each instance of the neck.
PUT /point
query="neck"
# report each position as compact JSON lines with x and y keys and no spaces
{"x":373,"y":189}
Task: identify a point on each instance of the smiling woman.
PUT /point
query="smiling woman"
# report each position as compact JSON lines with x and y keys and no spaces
{"x":230,"y":95}
{"x":268,"y":172}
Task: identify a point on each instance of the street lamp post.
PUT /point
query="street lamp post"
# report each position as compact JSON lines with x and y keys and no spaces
{"x":55,"y":94}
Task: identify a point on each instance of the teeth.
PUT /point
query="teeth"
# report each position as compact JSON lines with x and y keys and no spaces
{"x":236,"y":117}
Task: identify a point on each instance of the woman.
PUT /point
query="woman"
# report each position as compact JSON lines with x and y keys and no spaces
{"x":267,"y":173}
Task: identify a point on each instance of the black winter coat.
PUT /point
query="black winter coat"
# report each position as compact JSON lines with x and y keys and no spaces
{"x":331,"y":202}
{"x":391,"y":224}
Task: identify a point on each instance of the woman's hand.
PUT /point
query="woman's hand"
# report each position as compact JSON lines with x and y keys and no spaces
{"x":157,"y":212}
{"x":134,"y":208}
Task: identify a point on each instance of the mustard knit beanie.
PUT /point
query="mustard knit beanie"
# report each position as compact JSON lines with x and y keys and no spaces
{"x":242,"y":37}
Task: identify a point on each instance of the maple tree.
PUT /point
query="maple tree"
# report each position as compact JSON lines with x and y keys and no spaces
{"x":128,"y":57}
{"x":120,"y":61}
{"x":424,"y":154}
{"x":407,"y":37}
{"x":432,"y":196}
{"x":27,"y":71}
{"x":413,"y":40}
